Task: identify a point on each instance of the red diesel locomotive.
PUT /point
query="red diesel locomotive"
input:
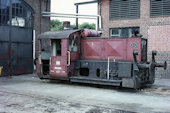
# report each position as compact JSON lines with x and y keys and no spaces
{"x":85,"y":57}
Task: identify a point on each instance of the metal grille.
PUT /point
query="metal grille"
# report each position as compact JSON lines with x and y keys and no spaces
{"x":160,"y":8}
{"x":124,"y":9}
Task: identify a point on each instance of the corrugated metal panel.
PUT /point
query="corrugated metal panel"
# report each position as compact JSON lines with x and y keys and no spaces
{"x":20,"y":56}
{"x":124,"y":9}
{"x":16,"y":50}
{"x":22,"y":50}
{"x":4,"y":49}
{"x":160,"y":8}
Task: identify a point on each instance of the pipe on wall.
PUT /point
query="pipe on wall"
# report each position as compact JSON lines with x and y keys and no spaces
{"x":96,"y":17}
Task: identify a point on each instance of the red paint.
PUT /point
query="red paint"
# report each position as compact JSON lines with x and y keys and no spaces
{"x":130,"y":49}
{"x":6,"y":66}
{"x":118,"y":49}
{"x":20,"y":71}
{"x":74,"y":56}
{"x":58,"y":67}
{"x":38,"y":69}
{"x":114,"y":48}
{"x":71,"y":69}
{"x":92,"y":48}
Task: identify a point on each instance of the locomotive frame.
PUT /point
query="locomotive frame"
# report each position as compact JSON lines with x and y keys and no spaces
{"x":82,"y":56}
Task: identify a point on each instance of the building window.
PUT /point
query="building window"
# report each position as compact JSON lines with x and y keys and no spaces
{"x":22,"y":14}
{"x":4,"y":11}
{"x":159,"y":8}
{"x":125,"y":32}
{"x":124,"y":9}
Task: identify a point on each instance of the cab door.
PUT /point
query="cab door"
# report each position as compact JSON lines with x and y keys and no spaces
{"x":60,"y":58}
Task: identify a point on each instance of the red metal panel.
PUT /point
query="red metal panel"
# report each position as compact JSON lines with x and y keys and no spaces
{"x":64,"y":47}
{"x":118,"y":49}
{"x":74,"y":56}
{"x":115,"y":49}
{"x":133,"y":44}
{"x":92,"y":48}
{"x":38,"y":68}
{"x":58,"y":67}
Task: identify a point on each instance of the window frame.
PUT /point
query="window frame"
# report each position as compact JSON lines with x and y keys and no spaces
{"x":120,"y":32}
{"x":23,"y":18}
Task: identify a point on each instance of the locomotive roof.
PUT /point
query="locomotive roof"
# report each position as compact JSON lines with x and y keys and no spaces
{"x":56,"y":34}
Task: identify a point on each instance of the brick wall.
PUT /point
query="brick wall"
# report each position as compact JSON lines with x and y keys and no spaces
{"x":41,"y":24}
{"x":159,"y":39}
{"x":146,"y":25}
{"x":160,"y":57}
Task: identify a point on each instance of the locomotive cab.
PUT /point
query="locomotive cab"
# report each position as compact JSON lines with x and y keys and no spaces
{"x":57,"y":52}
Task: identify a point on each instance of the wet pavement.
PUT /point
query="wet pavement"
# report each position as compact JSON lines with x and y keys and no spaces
{"x":29,"y":94}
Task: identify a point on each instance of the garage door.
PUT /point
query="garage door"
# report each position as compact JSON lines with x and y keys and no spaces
{"x":16,"y":29}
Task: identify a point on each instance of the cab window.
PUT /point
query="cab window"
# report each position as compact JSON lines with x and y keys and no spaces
{"x":73,"y":44}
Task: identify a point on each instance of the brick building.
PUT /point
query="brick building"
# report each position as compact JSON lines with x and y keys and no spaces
{"x":41,"y":24}
{"x":20,"y":23}
{"x":148,"y":18}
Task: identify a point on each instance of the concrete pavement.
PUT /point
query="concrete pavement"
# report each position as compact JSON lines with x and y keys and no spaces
{"x":29,"y":94}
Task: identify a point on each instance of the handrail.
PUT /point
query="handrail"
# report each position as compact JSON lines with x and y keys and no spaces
{"x":68,"y":58}
{"x":108,"y":65}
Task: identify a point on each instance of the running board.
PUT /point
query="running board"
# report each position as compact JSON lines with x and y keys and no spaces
{"x":96,"y":81}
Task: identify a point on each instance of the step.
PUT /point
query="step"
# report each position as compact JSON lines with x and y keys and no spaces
{"x":96,"y":81}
